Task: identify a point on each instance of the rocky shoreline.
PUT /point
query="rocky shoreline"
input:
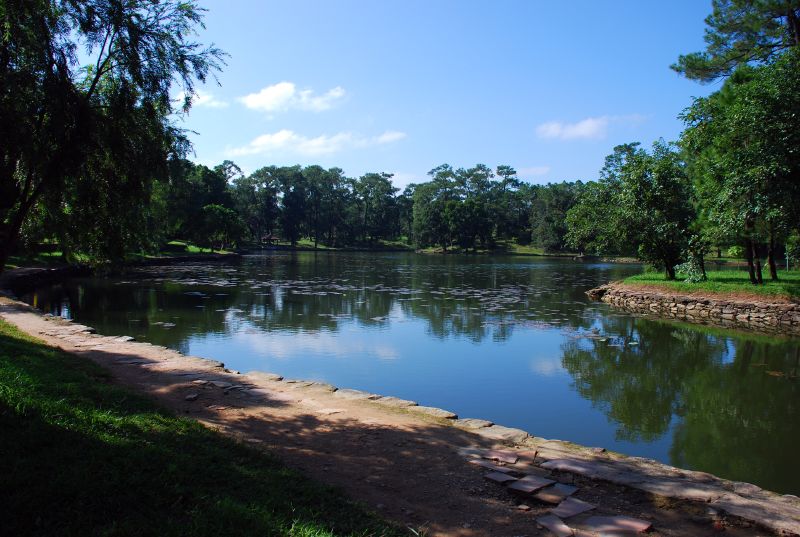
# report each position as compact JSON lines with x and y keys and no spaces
{"x":553,"y":458}
{"x":758,"y":315}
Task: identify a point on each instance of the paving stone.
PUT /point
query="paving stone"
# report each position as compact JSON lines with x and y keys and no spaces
{"x":354,"y":395}
{"x":555,"y":525}
{"x":489,"y":466}
{"x":221,"y":384}
{"x":499,"y":477}
{"x":472,"y":423}
{"x":328,"y":411}
{"x":571,"y":507}
{"x":499,"y":455}
{"x":680,"y":489}
{"x":530,"y":483}
{"x":470,"y":452}
{"x":576,"y":466}
{"x":434,"y":412}
{"x":781,"y":517}
{"x":200,"y":382}
{"x":321,"y":386}
{"x":192,"y":397}
{"x":395,"y":402}
{"x":263,"y":375}
{"x":555,"y":493}
{"x":616,"y":524}
{"x":504,"y":434}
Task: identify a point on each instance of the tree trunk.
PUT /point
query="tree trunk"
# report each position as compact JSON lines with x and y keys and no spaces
{"x":748,"y":252}
{"x":670,"y":269}
{"x":773,"y":268}
{"x":757,"y":262}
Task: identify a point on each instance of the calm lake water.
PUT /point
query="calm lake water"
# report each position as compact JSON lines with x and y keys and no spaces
{"x":513,"y":340}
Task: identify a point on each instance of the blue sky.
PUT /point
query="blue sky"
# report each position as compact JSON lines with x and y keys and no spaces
{"x":401,"y":87}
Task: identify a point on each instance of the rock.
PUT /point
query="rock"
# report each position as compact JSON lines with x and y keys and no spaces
{"x":354,"y":395}
{"x":395,"y":402}
{"x":489,"y":466}
{"x":472,"y":423}
{"x":504,"y":434}
{"x":782,"y":518}
{"x":192,"y":397}
{"x":500,"y":455}
{"x":263,"y":375}
{"x":221,"y":384}
{"x":434,"y":412}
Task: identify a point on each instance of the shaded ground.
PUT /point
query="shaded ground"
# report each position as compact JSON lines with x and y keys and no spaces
{"x":404,"y":466}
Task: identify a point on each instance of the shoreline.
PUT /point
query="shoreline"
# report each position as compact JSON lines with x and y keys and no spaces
{"x":752,"y":313}
{"x":144,"y":364}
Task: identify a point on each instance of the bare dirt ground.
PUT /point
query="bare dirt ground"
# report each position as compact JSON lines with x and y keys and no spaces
{"x":406,"y":466}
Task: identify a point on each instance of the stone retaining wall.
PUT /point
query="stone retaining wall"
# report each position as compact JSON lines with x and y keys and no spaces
{"x":763,"y":316}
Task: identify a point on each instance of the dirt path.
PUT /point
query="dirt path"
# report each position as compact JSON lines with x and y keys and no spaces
{"x":414,"y":468}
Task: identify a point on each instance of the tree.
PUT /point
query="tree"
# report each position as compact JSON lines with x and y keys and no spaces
{"x":548,"y":215}
{"x":643,"y":200}
{"x":218,"y":226}
{"x":376,"y":197}
{"x":743,"y":142}
{"x":742,"y":32}
{"x":105,"y":127}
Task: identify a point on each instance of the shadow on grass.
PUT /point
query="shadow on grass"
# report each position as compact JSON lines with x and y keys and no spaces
{"x":79,"y":456}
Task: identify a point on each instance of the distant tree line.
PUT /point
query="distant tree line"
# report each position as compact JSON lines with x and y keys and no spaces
{"x":221,"y":207}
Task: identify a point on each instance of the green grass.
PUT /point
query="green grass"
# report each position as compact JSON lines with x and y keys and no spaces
{"x":727,"y":281}
{"x":177,"y":247}
{"x":40,"y":259}
{"x":80,"y":456}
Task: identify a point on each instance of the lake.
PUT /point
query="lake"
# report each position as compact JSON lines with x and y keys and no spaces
{"x":510,"y":339}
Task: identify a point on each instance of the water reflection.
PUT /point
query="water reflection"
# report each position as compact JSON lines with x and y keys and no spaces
{"x":513,"y":340}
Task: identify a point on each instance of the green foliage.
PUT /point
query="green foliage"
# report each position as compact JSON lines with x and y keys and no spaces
{"x":642,"y":201}
{"x":743,"y":141}
{"x":742,"y":32}
{"x":85,"y":457}
{"x":736,"y":252}
{"x":86,"y":142}
{"x":549,"y":214}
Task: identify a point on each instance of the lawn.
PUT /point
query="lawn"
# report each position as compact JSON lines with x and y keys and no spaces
{"x":81,"y":456}
{"x":727,"y":282}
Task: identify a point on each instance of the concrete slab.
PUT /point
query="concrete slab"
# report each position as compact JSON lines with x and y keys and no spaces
{"x":616,"y":524}
{"x":555,"y":525}
{"x":555,"y":493}
{"x":572,"y":507}
{"x":530,"y":483}
{"x":499,"y":455}
{"x":499,"y":477}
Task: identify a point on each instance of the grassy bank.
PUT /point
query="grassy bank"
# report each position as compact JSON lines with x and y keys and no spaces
{"x":80,"y":456}
{"x":727,"y":282}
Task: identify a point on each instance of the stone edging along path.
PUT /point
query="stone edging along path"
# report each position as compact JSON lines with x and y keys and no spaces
{"x":196,"y":378}
{"x":760,"y":315}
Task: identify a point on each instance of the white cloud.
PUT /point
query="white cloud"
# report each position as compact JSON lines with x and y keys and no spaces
{"x":285,"y":96}
{"x":533,"y":171}
{"x":289,"y":142}
{"x":201,"y":98}
{"x":591,"y":128}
